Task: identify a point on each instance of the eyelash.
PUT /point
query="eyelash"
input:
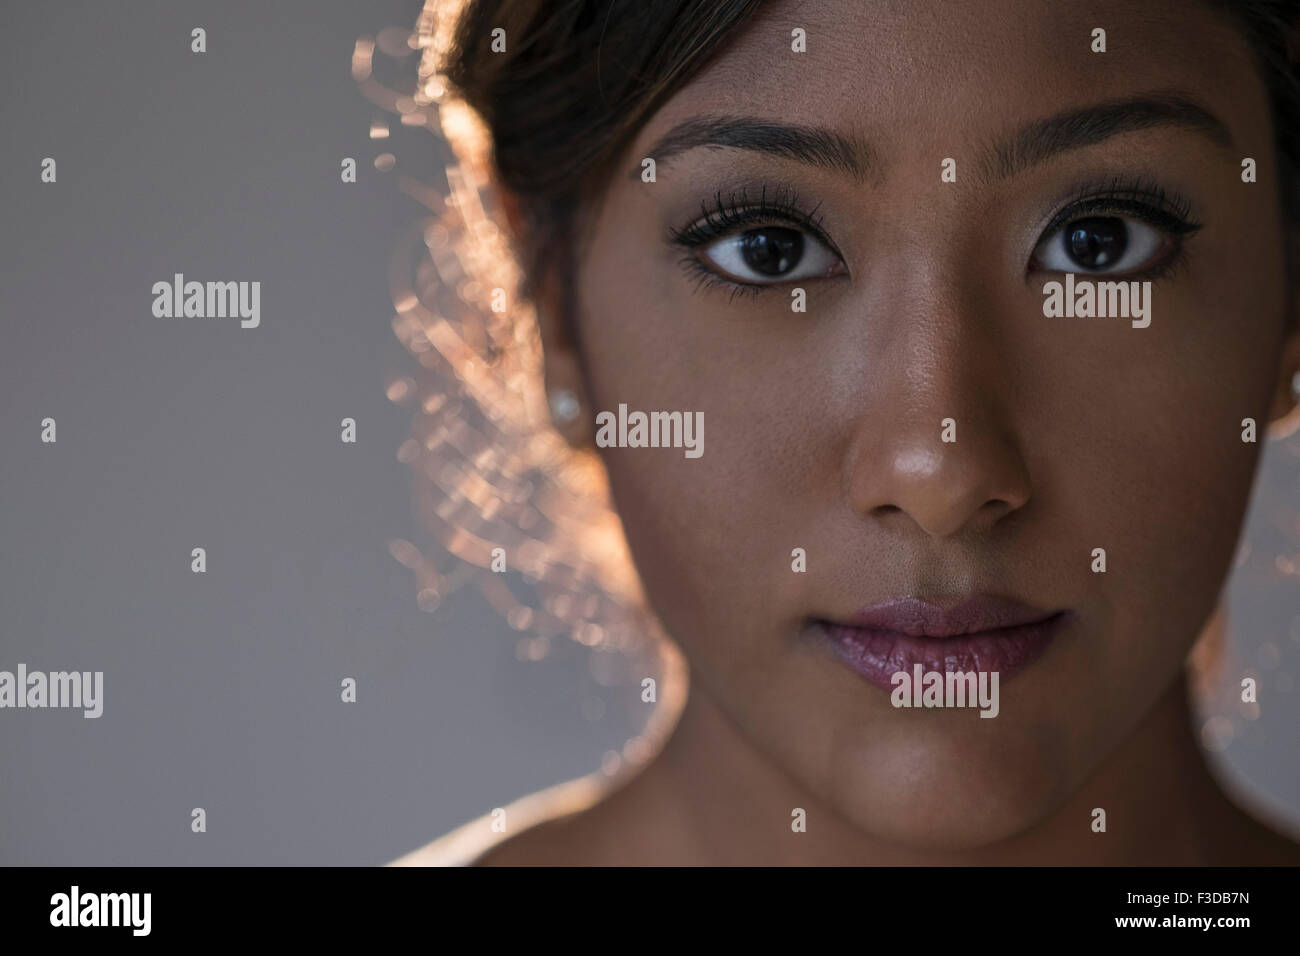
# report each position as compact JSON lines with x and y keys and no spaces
{"x":1143,"y":199}
{"x":725,"y":217}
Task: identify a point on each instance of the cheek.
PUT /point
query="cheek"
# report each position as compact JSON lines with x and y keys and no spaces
{"x":1162,"y":471}
{"x":709,"y":533}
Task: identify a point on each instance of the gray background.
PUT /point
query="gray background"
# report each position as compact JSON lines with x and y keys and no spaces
{"x":222,"y":690}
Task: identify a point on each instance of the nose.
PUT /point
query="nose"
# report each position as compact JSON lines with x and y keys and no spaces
{"x":936,"y":443}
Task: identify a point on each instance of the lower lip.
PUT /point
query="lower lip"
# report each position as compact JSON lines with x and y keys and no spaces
{"x":879,"y":654}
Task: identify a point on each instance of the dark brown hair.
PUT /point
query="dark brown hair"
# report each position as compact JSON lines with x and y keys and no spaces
{"x":1272,"y":30}
{"x":579,"y":77}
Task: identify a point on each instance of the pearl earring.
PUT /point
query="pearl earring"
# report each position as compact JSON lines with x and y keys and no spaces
{"x":564,"y":405}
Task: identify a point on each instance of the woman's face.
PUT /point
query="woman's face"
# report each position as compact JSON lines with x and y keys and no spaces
{"x":825,"y":428}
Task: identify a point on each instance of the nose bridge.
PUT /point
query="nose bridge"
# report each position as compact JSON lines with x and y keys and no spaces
{"x":936,"y":441}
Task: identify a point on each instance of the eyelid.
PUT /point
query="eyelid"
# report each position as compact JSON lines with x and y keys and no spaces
{"x":1148,"y":212}
{"x":1140,"y":196}
{"x":737,"y":214}
{"x":739,"y":211}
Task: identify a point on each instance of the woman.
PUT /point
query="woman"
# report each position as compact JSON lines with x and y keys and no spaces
{"x":981,"y":305}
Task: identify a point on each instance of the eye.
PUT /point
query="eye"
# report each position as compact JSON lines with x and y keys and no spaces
{"x":1101,"y":244}
{"x":770,"y":254}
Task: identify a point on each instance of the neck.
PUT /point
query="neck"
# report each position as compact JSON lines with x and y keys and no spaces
{"x":709,"y":797}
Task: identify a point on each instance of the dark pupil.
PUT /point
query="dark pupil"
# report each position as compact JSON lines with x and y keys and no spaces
{"x":1094,"y":243}
{"x":772,"y":250}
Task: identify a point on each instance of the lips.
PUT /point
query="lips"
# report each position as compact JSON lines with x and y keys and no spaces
{"x":982,"y":633}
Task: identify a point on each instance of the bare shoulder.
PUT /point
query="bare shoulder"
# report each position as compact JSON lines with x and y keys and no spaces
{"x":530,"y":831}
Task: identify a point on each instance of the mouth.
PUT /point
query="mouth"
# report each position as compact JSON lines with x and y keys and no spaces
{"x":982,"y":633}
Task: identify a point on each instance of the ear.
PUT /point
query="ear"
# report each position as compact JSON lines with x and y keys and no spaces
{"x":1284,"y":414}
{"x":553,"y":299}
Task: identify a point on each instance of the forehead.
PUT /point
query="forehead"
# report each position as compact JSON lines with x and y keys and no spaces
{"x":926,"y":73}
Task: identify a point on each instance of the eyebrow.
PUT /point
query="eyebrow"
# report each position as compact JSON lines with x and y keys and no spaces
{"x":1033,"y":143}
{"x":814,"y":145}
{"x":1042,"y":139}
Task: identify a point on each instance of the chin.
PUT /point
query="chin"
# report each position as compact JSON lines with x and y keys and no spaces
{"x":932,"y":792}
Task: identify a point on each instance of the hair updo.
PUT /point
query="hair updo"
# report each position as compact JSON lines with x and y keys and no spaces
{"x":578,"y":78}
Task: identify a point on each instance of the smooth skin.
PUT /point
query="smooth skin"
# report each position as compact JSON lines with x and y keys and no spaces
{"x":823,"y":433}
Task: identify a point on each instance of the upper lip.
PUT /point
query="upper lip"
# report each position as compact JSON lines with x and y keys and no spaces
{"x":920,"y":618}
